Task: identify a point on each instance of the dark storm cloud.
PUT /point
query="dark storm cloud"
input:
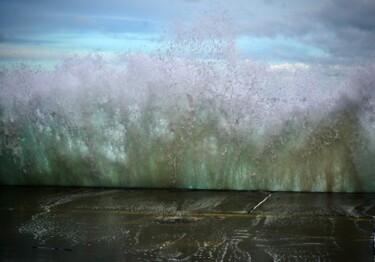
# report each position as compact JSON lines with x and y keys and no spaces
{"x":350,"y":29}
{"x":342,"y":29}
{"x":271,"y":18}
{"x":359,"y":14}
{"x":2,"y":38}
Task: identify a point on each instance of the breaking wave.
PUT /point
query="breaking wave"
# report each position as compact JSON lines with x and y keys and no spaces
{"x":193,"y":114}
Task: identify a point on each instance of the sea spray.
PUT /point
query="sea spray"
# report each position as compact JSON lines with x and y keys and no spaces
{"x":193,"y":114}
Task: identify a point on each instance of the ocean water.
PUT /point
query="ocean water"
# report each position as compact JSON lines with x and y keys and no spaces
{"x":196,"y":113}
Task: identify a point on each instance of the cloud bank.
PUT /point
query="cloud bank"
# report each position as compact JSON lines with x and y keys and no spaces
{"x":335,"y":32}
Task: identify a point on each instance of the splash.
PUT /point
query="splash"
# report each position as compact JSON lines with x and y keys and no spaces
{"x":193,"y":114}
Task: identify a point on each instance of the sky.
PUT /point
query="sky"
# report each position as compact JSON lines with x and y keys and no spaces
{"x":319,"y":32}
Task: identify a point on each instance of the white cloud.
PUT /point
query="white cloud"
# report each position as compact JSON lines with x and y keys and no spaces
{"x":289,"y":67}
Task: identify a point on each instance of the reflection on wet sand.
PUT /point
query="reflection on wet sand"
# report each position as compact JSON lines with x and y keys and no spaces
{"x":172,"y":225}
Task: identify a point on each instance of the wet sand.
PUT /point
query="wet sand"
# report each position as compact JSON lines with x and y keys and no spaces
{"x":89,"y":224}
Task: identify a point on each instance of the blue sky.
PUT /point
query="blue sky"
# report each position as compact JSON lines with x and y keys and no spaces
{"x":333,"y":32}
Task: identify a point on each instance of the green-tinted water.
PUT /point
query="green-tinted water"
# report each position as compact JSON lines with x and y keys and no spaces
{"x":166,"y":122}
